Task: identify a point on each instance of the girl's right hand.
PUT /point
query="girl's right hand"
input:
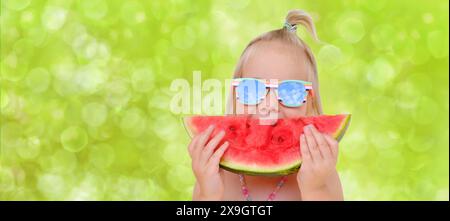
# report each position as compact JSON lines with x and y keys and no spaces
{"x":205,"y":164}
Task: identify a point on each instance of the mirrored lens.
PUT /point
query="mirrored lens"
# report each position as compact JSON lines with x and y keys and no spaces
{"x":291,"y":93}
{"x":251,"y":91}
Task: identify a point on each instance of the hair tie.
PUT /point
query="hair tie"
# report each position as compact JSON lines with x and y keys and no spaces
{"x":289,"y":27}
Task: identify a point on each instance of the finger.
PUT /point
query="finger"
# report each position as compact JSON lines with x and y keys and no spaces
{"x":212,"y":144}
{"x":312,"y":145}
{"x":202,"y":140}
{"x":192,"y":145}
{"x":333,"y":144}
{"x":306,"y":155}
{"x":322,"y":143}
{"x":215,"y":158}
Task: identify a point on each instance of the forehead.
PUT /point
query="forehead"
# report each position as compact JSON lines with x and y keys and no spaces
{"x":276,"y":60}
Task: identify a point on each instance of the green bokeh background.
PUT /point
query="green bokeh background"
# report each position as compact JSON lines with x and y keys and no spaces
{"x":85,"y":92}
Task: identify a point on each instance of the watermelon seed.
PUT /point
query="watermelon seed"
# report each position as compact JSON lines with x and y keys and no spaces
{"x":280,"y":140}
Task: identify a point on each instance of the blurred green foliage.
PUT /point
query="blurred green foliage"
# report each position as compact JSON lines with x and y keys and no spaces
{"x":85,"y":92}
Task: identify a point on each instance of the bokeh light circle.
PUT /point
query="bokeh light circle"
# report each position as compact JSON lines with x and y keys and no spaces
{"x":38,"y":80}
{"x":381,"y":73}
{"x":142,"y":80}
{"x":16,"y":4}
{"x":74,"y":138}
{"x":94,"y":114}
{"x":331,"y":56}
{"x":101,"y":155}
{"x":30,"y":149}
{"x":53,"y":17}
{"x":133,"y":123}
{"x":351,"y":29}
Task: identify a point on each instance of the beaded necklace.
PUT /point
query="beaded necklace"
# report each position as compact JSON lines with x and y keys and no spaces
{"x":271,"y":196}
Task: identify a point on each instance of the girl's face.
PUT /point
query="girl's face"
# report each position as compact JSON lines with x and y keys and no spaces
{"x":275,"y":60}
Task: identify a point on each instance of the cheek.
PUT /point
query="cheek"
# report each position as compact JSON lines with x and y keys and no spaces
{"x":244,"y":109}
{"x":292,"y":112}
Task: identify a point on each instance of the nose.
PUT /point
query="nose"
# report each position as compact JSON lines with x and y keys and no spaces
{"x":269,"y":105}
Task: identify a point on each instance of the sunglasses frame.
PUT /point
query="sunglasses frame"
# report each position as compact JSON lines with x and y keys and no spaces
{"x":270,"y":84}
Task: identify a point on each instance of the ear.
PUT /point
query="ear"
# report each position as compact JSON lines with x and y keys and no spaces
{"x":311,"y":92}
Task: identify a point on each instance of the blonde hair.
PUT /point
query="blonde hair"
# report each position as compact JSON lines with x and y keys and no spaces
{"x":287,"y":34}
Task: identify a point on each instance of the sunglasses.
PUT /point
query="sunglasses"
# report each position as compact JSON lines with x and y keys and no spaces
{"x":290,"y":93}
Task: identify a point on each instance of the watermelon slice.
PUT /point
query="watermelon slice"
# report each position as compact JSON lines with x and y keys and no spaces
{"x":264,"y":149}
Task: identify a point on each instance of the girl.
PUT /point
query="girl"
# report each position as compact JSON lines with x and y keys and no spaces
{"x":278,"y":55}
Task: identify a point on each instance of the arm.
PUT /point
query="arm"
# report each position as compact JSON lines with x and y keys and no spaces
{"x":196,"y":193}
{"x":331,"y":191}
{"x":197,"y":196}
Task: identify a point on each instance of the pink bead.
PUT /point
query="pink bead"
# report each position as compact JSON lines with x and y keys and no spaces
{"x":271,"y":196}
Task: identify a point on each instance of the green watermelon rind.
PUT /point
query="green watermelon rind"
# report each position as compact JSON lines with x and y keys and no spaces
{"x":284,"y":170}
{"x":343,"y":128}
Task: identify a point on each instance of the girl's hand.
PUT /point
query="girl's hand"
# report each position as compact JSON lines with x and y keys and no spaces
{"x":205,"y":164}
{"x":319,"y":154}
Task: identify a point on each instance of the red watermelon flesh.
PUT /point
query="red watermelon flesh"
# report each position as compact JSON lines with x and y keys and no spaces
{"x":265,"y":149}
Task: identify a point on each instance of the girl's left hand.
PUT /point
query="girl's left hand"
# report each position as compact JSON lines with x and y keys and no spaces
{"x":319,"y":157}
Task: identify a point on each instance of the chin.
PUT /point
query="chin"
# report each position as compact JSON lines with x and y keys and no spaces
{"x":267,"y":119}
